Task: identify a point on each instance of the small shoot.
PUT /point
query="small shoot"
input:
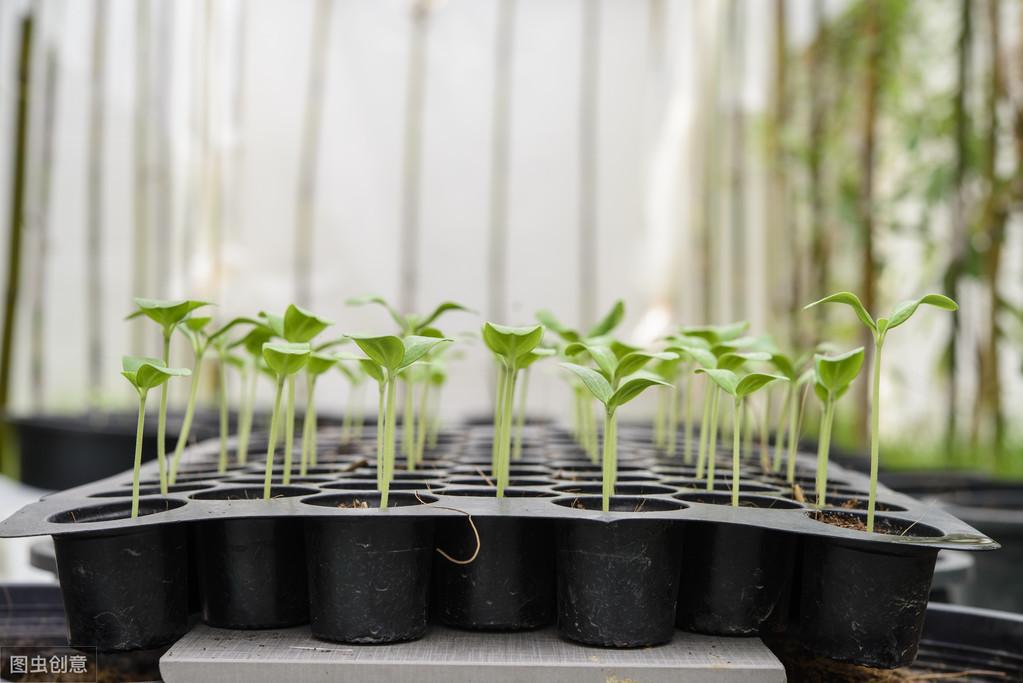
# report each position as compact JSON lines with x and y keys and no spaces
{"x":616,"y":381}
{"x":144,"y":374}
{"x":285,"y":360}
{"x":386,"y":358}
{"x":879,"y":329}
{"x":514,"y":348}
{"x":832,"y":377}
{"x":167,"y":314}
{"x":739,"y":390}
{"x":318,"y":364}
{"x":252,"y":343}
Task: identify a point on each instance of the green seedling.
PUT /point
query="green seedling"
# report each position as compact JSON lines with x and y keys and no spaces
{"x":386,"y":358}
{"x":411,"y":324}
{"x":616,"y":381}
{"x":879,"y":329}
{"x":285,"y":360}
{"x":514,"y":348}
{"x":144,"y":374}
{"x":193,"y":327}
{"x":252,"y":343}
{"x":318,"y":364}
{"x":352,"y":421}
{"x":692,"y":351}
{"x":832,"y":377}
{"x":791,"y":368}
{"x":166,"y":314}
{"x":584,"y":428}
{"x":296,"y":326}
{"x":520,"y":418}
{"x":739,"y":390}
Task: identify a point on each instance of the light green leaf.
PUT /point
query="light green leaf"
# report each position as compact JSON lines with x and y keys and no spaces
{"x":906,"y":309}
{"x":851,"y":300}
{"x":755,"y":381}
{"x":436,"y":313}
{"x":609,"y":322}
{"x":387,"y":351}
{"x":592,"y":380}
{"x":633,"y":387}
{"x":510,"y":343}
{"x":379,"y":300}
{"x":372,"y":370}
{"x":319,"y":363}
{"x":536,"y":354}
{"x":726,"y":379}
{"x":286,"y":358}
{"x":301,"y":325}
{"x":634,"y":362}
{"x":784,"y":365}
{"x":166,"y":313}
{"x":196,"y":323}
{"x":256,"y":337}
{"x":834,"y":374}
{"x":550,"y":322}
{"x":715,"y":334}
{"x":147,"y":373}
{"x":733,"y":360}
{"x":415,"y":347}
{"x":274,"y":322}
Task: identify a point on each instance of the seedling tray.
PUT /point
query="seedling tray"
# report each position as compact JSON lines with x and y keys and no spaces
{"x":765,"y":567}
{"x":208,"y":655}
{"x":545,"y":485}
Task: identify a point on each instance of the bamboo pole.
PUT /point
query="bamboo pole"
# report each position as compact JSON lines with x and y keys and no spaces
{"x":15,"y":230}
{"x":94,"y":302}
{"x":305,"y":208}
{"x":499,"y":142}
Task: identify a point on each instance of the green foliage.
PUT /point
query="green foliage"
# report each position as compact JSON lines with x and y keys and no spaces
{"x":511,"y":344}
{"x":320,"y":363}
{"x":148,"y":373}
{"x":166,"y":313}
{"x":286,"y":358}
{"x":611,"y":320}
{"x":411,"y":324}
{"x":300,"y":325}
{"x":834,"y":374}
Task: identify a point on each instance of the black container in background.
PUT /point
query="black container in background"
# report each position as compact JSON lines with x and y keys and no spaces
{"x":59,"y":452}
{"x":369,"y":576}
{"x":510,"y":584}
{"x":736,"y":580}
{"x":618,"y":580}
{"x":252,"y":572}
{"x":863,"y":602}
{"x":125,"y":590}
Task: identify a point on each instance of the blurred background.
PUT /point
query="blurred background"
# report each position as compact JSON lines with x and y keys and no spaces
{"x":702,"y":161}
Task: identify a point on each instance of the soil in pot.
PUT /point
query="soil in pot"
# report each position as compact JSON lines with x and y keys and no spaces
{"x":126,"y":589}
{"x":618,"y":578}
{"x":251,"y":570}
{"x":369,"y":573}
{"x":736,"y":580}
{"x":863,"y":601}
{"x":509,"y":586}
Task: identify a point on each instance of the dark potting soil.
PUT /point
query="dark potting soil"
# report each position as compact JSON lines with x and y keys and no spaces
{"x":856,"y":523}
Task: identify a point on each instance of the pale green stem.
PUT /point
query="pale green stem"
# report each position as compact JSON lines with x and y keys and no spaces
{"x":701,"y":458}
{"x":186,"y":424}
{"x":271,"y":444}
{"x":875,"y":436}
{"x":823,"y":447}
{"x":289,"y":430}
{"x":736,"y":427}
{"x":382,"y":386}
{"x":672,"y":434}
{"x":795,"y":427}
{"x":783,"y":419}
{"x":712,"y":440}
{"x":504,"y":454}
{"x":659,"y":419}
{"x":389,"y":431}
{"x":422,"y":416}
{"x":688,"y":453}
{"x":747,"y":443}
{"x":161,"y":424}
{"x":138,"y":455}
{"x":609,"y":466}
{"x":308,"y":425}
{"x":495,"y":447}
{"x":434,"y":417}
{"x":765,"y":446}
{"x":520,"y":419}
{"x":408,"y":425}
{"x":359,"y":416}
{"x":225,"y":420}
{"x":245,"y":418}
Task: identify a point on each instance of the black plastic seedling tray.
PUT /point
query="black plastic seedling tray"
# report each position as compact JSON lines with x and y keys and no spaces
{"x":668,"y":553}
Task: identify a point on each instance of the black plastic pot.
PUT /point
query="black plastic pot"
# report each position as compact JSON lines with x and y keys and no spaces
{"x":997,"y":510}
{"x":864,"y":601}
{"x":124,"y":590}
{"x":251,"y":571}
{"x":510,"y":584}
{"x":62,"y":451}
{"x":369,"y":575}
{"x":618,"y":579}
{"x":736,"y":580}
